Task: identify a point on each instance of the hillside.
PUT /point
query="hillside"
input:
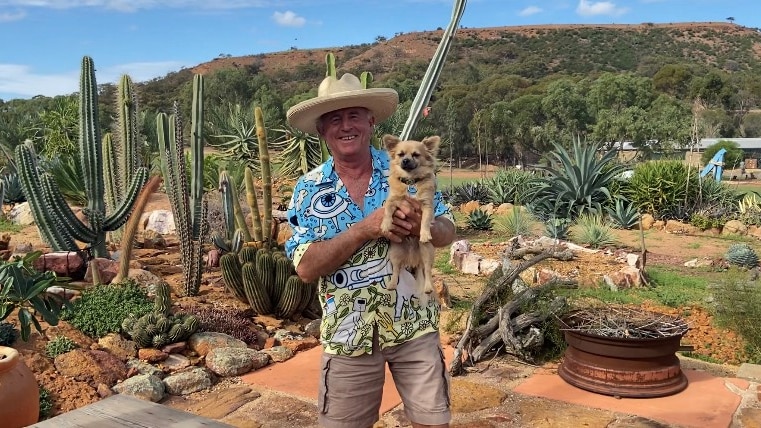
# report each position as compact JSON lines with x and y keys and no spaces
{"x":536,"y":51}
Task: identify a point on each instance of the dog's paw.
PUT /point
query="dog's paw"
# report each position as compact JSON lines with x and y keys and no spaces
{"x":385,"y":226}
{"x":425,"y":236}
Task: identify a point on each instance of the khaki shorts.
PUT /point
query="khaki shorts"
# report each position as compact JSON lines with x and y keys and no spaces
{"x":351,"y":388}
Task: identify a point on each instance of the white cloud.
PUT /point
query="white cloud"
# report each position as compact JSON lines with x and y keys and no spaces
{"x":587,"y":8}
{"x":132,"y":5}
{"x":288,"y":19}
{"x":20,"y":81}
{"x":531,"y":10}
{"x":8,"y":16}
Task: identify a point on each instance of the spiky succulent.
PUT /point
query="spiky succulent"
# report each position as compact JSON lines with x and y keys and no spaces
{"x":480,"y":220}
{"x":742,"y":255}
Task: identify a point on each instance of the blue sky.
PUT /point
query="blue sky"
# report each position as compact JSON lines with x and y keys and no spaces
{"x":43,"y":41}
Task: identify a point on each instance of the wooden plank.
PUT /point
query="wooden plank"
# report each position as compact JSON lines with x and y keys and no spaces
{"x":126,"y":411}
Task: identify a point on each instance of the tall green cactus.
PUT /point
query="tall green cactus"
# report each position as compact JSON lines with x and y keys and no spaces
{"x":56,"y":221}
{"x":431,"y":75}
{"x":188,"y":204}
{"x":264,"y":161}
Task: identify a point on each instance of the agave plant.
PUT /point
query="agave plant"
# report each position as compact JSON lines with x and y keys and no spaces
{"x":557,"y":228}
{"x":593,"y":230}
{"x":233,"y":131}
{"x":577,"y":181}
{"x":623,"y":214}
{"x":513,"y":186}
{"x":300,"y":153}
{"x":516,"y":222}
{"x":466,"y":192}
{"x":480,"y":220}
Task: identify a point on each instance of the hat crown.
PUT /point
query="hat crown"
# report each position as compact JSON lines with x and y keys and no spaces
{"x":332,"y":86}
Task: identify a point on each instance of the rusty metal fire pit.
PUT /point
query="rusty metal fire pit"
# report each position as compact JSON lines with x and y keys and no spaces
{"x":623,"y":352}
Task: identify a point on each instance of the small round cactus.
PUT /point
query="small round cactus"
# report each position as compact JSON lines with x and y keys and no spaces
{"x":742,"y":255}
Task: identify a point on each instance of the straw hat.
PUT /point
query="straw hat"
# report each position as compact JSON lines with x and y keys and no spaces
{"x":335,"y":94}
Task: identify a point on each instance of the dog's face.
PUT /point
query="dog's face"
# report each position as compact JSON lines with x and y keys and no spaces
{"x":412,"y":158}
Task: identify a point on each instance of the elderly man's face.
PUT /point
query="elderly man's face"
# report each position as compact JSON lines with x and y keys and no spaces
{"x":347,"y":131}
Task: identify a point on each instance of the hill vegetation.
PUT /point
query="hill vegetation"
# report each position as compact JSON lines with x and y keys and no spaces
{"x":506,"y":93}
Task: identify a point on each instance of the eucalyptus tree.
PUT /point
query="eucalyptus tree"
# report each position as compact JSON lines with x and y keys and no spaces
{"x":566,"y":110}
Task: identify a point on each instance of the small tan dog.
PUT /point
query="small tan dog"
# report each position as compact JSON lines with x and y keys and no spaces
{"x":412,"y":163}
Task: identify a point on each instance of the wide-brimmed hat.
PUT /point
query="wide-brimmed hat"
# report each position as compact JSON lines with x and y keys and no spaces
{"x":335,"y":94}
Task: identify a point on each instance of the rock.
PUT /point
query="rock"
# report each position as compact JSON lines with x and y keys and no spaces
{"x":21,"y":214}
{"x":734,"y":227}
{"x":91,"y":366}
{"x":175,"y":363}
{"x":471,"y":263}
{"x":298,"y":345}
{"x":161,"y":221}
{"x":647,"y":221}
{"x":284,"y":232}
{"x":503,"y":209}
{"x":175,"y":348}
{"x":278,"y":354}
{"x":144,"y":277}
{"x":152,"y":240}
{"x":677,"y":227}
{"x":63,"y":263}
{"x":145,"y":387}
{"x":23,"y":248}
{"x":627,"y":277}
{"x":188,"y":381}
{"x":659,"y":225}
{"x":117,"y":345}
{"x":103,"y":390}
{"x":313,"y":328}
{"x":699,"y":262}
{"x":151,"y":355}
{"x":469,"y":207}
{"x":458,"y":247}
{"x":470,"y":397}
{"x":488,"y":266}
{"x":106,"y":267}
{"x":234,"y":361}
{"x":633,"y":260}
{"x":141,"y":367}
{"x":62,"y":292}
{"x":488,"y":208}
{"x":202,"y":342}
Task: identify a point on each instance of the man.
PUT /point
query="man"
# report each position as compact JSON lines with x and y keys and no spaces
{"x":335,"y":214}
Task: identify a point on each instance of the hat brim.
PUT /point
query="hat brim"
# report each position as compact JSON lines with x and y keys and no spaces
{"x":382,"y":102}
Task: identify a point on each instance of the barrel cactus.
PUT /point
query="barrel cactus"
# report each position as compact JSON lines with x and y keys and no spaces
{"x":266,"y":280}
{"x":160,"y":327}
{"x":742,"y":255}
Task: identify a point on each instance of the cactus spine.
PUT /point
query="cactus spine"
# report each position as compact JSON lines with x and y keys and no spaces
{"x":56,"y":221}
{"x":188,"y":205}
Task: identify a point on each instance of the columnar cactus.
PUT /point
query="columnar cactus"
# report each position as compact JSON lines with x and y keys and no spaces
{"x":231,"y":210}
{"x":56,"y":221}
{"x":264,"y":160}
{"x":188,"y":205}
{"x":159,"y":327}
{"x":266,"y":280}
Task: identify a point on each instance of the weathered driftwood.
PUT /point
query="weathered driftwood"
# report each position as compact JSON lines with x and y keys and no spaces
{"x":503,"y":326}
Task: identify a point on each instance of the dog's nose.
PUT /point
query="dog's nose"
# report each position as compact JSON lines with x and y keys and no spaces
{"x":407,"y":163}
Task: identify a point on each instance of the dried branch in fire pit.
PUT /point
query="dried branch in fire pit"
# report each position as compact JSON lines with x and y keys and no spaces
{"x":624,"y":323}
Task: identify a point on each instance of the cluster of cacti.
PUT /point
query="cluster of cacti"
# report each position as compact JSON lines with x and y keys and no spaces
{"x":742,"y":255}
{"x":159,"y":327}
{"x":266,"y":280}
{"x":188,"y":205}
{"x":57,"y":223}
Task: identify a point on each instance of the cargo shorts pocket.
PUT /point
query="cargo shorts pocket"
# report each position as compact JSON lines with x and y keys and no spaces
{"x":445,"y":376}
{"x":322,"y":399}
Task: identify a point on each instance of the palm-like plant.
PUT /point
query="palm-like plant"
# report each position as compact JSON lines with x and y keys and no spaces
{"x":576,"y":182}
{"x":300,"y":153}
{"x":233,"y":132}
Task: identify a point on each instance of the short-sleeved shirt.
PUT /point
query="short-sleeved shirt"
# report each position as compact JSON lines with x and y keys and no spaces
{"x":354,"y":298}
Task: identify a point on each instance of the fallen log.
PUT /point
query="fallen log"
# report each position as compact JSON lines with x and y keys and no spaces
{"x":491,"y":329}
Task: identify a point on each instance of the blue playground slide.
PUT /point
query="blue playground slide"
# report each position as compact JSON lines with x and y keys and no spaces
{"x":716,"y":165}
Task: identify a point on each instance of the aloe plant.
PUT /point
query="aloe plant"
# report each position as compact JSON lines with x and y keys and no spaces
{"x":188,"y":205}
{"x":56,"y":221}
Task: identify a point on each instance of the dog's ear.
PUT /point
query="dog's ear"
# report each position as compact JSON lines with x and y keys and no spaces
{"x":390,"y":142}
{"x":432,"y":143}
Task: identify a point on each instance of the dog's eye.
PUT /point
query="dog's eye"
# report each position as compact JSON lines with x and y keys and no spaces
{"x":415,"y":155}
{"x":400,"y":154}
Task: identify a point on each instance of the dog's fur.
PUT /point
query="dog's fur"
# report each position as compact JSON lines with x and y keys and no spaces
{"x":412,"y":163}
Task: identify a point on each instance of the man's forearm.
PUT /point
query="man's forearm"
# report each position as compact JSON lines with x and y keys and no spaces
{"x":324,"y":257}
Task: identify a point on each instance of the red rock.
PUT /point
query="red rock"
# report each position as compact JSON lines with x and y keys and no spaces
{"x":300,"y":344}
{"x":152,"y":355}
{"x":175,"y":348}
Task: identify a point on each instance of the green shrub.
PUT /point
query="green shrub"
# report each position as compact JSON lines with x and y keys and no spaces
{"x":101,"y":310}
{"x":737,"y":305}
{"x":660,"y":188}
{"x":59,"y":345}
{"x":705,"y":221}
{"x":8,"y":333}
{"x":732,"y":157}
{"x":516,"y":222}
{"x":513,"y":186}
{"x":593,"y":230}
{"x":46,"y":403}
